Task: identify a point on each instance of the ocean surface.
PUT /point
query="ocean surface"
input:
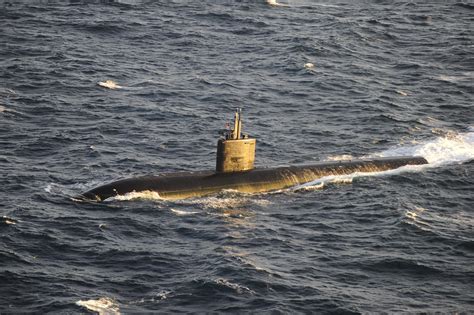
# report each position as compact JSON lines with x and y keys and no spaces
{"x":317,"y":81}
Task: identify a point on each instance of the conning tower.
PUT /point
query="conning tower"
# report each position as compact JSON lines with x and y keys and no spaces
{"x":236,"y":152}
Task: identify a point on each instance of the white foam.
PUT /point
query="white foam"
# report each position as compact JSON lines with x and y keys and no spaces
{"x":413,"y":214}
{"x":347,"y":179}
{"x":340,"y":157}
{"x":402,"y":93}
{"x":144,"y":195}
{"x":156,"y":298}
{"x":234,"y":286}
{"x":183,"y":213}
{"x":463,"y":76}
{"x":314,"y":185}
{"x":452,"y":148}
{"x":7,"y":92}
{"x":236,"y":201}
{"x":320,"y":183}
{"x":244,"y":258}
{"x":69,"y":191}
{"x":221,"y":203}
{"x":49,"y":188}
{"x":110,"y":84}
{"x":448,"y":78}
{"x":276,"y":4}
{"x":9,"y":221}
{"x":163,"y":295}
{"x":326,"y":5}
{"x":103,"y":306}
{"x":4,"y":109}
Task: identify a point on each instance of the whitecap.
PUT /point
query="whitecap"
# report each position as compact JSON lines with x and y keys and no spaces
{"x":402,"y":93}
{"x":103,"y":306}
{"x":163,"y":295}
{"x":459,"y":77}
{"x":449,"y":78}
{"x":414,"y":213}
{"x":9,"y":221}
{"x":7,"y":92}
{"x":49,"y":188}
{"x":276,"y":4}
{"x":110,"y":84}
{"x":183,"y":213}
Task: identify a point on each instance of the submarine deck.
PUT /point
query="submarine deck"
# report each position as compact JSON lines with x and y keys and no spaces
{"x":182,"y":185}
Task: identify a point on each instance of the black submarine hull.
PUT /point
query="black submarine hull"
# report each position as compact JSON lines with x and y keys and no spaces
{"x":182,"y":185}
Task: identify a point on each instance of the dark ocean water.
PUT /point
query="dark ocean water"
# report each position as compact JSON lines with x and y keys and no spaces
{"x":388,"y":78}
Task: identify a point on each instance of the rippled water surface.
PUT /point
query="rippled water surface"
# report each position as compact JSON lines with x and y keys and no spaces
{"x":317,"y":80}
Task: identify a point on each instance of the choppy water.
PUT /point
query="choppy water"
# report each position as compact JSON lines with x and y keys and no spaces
{"x":387,"y":78}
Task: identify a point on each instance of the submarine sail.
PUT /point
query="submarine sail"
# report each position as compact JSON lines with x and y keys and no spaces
{"x":235,"y":170}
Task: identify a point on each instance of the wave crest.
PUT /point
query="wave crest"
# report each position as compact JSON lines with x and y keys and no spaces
{"x":103,"y":306}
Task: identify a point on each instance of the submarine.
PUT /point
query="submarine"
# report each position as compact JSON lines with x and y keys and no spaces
{"x":235,"y":171}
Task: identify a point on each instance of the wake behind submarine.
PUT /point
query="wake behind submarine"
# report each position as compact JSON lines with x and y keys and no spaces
{"x":235,"y":171}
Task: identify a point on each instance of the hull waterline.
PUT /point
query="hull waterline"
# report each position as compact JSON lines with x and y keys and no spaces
{"x":196,"y":184}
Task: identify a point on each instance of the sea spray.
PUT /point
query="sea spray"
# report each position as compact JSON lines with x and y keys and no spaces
{"x":453,"y":148}
{"x":103,"y":306}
